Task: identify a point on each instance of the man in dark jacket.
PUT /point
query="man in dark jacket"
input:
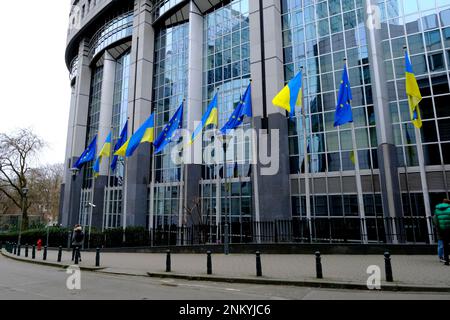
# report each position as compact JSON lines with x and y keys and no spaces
{"x":442,"y":221}
{"x":77,"y":241}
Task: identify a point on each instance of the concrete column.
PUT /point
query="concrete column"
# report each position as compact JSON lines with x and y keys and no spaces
{"x":106,"y":106}
{"x":194,"y":103}
{"x":139,"y":109}
{"x":266,"y":58}
{"x":387,"y":155}
{"x":76,"y":139}
{"x":104,"y":128}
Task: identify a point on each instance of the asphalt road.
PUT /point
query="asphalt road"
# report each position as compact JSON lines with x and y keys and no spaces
{"x":24,"y":281}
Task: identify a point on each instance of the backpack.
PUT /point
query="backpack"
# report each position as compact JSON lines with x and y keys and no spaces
{"x":79,"y":236}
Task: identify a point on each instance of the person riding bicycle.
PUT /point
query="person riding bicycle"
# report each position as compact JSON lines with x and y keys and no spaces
{"x":77,"y":242}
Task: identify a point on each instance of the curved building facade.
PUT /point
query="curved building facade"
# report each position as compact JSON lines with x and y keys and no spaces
{"x":374,"y":181}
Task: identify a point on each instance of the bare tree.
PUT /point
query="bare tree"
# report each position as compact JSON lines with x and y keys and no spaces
{"x":16,"y":152}
{"x":194,"y":214}
{"x":45,"y":185}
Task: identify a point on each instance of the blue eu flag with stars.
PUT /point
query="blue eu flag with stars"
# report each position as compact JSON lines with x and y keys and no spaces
{"x":88,"y":155}
{"x":344,"y":113}
{"x":244,"y":109}
{"x":169,"y":131}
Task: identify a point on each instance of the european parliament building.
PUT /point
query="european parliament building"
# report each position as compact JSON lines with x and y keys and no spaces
{"x":376,"y":180}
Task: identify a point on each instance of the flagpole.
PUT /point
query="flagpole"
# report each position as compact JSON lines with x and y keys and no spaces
{"x":125,"y":184}
{"x":91,"y":211}
{"x":423,"y":176}
{"x":358,"y":181}
{"x":306,"y":161}
{"x":423,"y":180}
{"x":106,"y":199}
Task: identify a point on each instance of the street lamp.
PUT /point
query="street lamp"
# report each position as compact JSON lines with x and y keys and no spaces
{"x":90,"y":223}
{"x":24,"y":202}
{"x":225,"y":139}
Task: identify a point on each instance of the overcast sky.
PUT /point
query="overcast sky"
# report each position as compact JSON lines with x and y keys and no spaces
{"x":34,"y":81}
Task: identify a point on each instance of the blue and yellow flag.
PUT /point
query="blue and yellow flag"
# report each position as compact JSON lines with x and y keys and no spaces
{"x":88,"y":154}
{"x":96,"y":167}
{"x":413,"y":93}
{"x":146,"y":133}
{"x":244,"y":109}
{"x":344,"y":112}
{"x":290,"y":96}
{"x":105,"y":152}
{"x":169,"y":131}
{"x":119,"y":144}
{"x":210,"y":117}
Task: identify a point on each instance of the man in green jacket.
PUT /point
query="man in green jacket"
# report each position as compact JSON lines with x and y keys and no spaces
{"x":442,"y":221}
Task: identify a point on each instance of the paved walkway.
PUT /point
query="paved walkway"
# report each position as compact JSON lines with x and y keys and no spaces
{"x":415,"y":270}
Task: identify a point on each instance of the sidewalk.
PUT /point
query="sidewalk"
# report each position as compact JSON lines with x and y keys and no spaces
{"x":415,"y":270}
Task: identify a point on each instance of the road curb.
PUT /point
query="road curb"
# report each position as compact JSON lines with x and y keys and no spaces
{"x":47,"y":263}
{"x":395,"y":287}
{"x":302,"y":283}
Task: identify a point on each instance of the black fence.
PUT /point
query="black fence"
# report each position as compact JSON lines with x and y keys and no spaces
{"x":412,"y":230}
{"x":409,"y":230}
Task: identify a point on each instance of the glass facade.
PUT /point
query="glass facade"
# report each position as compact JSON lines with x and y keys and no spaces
{"x":169,"y":90}
{"x":118,"y":28}
{"x":319,"y":35}
{"x":93,"y":119}
{"x":113,"y":204}
{"x":424,"y":27}
{"x":226,"y":66}
{"x":120,"y":111}
{"x":316,"y":36}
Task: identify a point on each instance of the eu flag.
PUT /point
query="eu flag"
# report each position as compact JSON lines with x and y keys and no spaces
{"x":122,"y":139}
{"x":169,"y":131}
{"x":243,"y":109}
{"x":88,"y":154}
{"x":344,"y":113}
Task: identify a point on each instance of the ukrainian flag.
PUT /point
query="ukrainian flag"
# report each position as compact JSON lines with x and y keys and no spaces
{"x":413,"y":93}
{"x":210,"y":117}
{"x":290,"y":96}
{"x":146,"y":133}
{"x":96,"y":167}
{"x":105,"y":152}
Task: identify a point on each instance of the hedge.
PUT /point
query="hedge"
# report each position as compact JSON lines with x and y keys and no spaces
{"x":57,"y":236}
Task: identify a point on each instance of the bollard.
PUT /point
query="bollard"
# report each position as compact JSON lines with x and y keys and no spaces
{"x":208,"y":262}
{"x":319,"y":266}
{"x":168,"y":262}
{"x":26,"y":250}
{"x":33,"y":252}
{"x":45,"y":254}
{"x":388,"y":267}
{"x":77,"y":255}
{"x":258,"y":264}
{"x":59,"y":254}
{"x":19,"y":249}
{"x":97,"y":257}
{"x":15,"y":249}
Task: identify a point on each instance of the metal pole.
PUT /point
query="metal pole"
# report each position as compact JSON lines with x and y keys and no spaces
{"x":48,"y":231}
{"x":226,"y":245}
{"x":306,"y":161}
